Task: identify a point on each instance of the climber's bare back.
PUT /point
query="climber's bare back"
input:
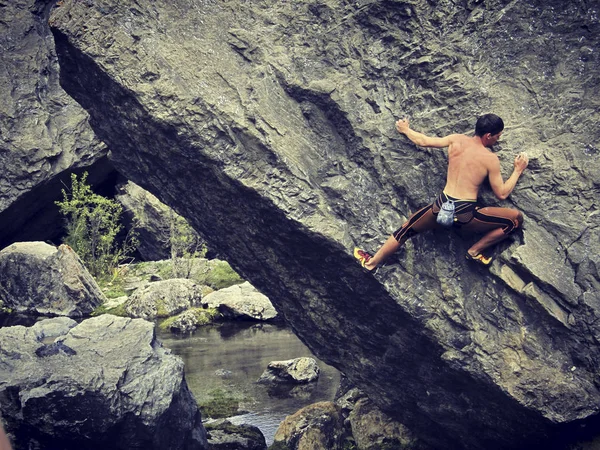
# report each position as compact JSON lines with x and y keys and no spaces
{"x":469,"y":164}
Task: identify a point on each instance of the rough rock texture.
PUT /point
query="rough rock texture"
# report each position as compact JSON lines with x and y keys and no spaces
{"x":371,"y":428}
{"x":189,"y":320}
{"x":270,"y":126}
{"x":39,"y":278}
{"x":43,"y":131}
{"x":317,"y":426}
{"x":103,"y":383}
{"x":163,"y":299}
{"x":223,"y":435}
{"x":212,"y":274}
{"x":153,"y":221}
{"x":242,"y":301}
{"x":298,"y":370}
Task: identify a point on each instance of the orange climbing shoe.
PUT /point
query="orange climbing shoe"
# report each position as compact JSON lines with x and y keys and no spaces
{"x":363,"y":258}
{"x":480,"y":258}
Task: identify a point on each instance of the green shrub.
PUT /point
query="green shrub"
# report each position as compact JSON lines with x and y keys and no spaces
{"x":93,"y":223}
{"x":222,"y":276}
{"x":116,"y":311}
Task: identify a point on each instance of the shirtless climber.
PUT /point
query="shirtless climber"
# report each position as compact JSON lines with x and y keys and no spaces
{"x":470,"y":162}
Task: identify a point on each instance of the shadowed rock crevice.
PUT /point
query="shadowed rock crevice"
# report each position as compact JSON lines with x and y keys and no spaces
{"x":275,"y":139}
{"x":34,"y":215}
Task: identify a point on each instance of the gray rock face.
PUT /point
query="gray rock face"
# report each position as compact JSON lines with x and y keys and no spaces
{"x":155,"y":222}
{"x":39,"y":278}
{"x":298,"y":370}
{"x":370,"y":427}
{"x":164,"y":298}
{"x":103,"y":383}
{"x":317,"y":426}
{"x":270,"y":126}
{"x":43,"y":131}
{"x":223,"y":435}
{"x":241,"y":301}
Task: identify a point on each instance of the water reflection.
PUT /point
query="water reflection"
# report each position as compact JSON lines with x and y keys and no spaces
{"x":231,"y":357}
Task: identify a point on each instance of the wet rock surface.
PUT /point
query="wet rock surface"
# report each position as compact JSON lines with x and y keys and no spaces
{"x":103,"y":383}
{"x":269,"y":126}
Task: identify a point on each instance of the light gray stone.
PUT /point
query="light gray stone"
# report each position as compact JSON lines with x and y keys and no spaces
{"x":105,"y":382}
{"x":163,"y":298}
{"x":298,"y":370}
{"x":241,"y":301}
{"x":39,"y":278}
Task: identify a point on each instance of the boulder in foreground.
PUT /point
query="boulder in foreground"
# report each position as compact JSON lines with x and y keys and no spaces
{"x":105,"y":383}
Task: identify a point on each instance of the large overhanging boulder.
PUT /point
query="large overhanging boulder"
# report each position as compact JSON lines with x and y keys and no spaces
{"x":44,"y":133}
{"x":270,"y":126}
{"x":104,"y":383}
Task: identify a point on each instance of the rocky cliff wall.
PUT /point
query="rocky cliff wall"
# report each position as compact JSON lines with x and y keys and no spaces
{"x":270,"y":126}
{"x":43,"y":132}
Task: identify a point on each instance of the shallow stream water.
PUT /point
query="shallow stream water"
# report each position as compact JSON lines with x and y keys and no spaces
{"x":231,"y":357}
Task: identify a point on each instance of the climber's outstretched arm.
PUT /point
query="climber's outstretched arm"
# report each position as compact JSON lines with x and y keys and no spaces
{"x":420,"y":139}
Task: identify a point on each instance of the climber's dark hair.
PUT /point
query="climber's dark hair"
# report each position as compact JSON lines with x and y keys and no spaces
{"x":488,"y":123}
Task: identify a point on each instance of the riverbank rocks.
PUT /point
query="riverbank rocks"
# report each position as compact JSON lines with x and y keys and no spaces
{"x":104,"y":383}
{"x":213,"y":273}
{"x":317,"y":426}
{"x":269,"y":126}
{"x":39,"y":278}
{"x":371,"y":428}
{"x":163,"y":299}
{"x":223,"y":435}
{"x":189,"y":320}
{"x":241,"y":301}
{"x":298,"y":371}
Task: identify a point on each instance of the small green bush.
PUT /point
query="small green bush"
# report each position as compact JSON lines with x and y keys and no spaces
{"x":93,"y":223}
{"x":117,"y":311}
{"x":222,"y":276}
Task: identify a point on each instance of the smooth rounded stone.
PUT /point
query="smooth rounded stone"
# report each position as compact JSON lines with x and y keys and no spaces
{"x":241,"y":301}
{"x":104,"y":383}
{"x":298,"y":370}
{"x":317,"y":426}
{"x":39,"y":278}
{"x":223,"y":435}
{"x":164,"y":299}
